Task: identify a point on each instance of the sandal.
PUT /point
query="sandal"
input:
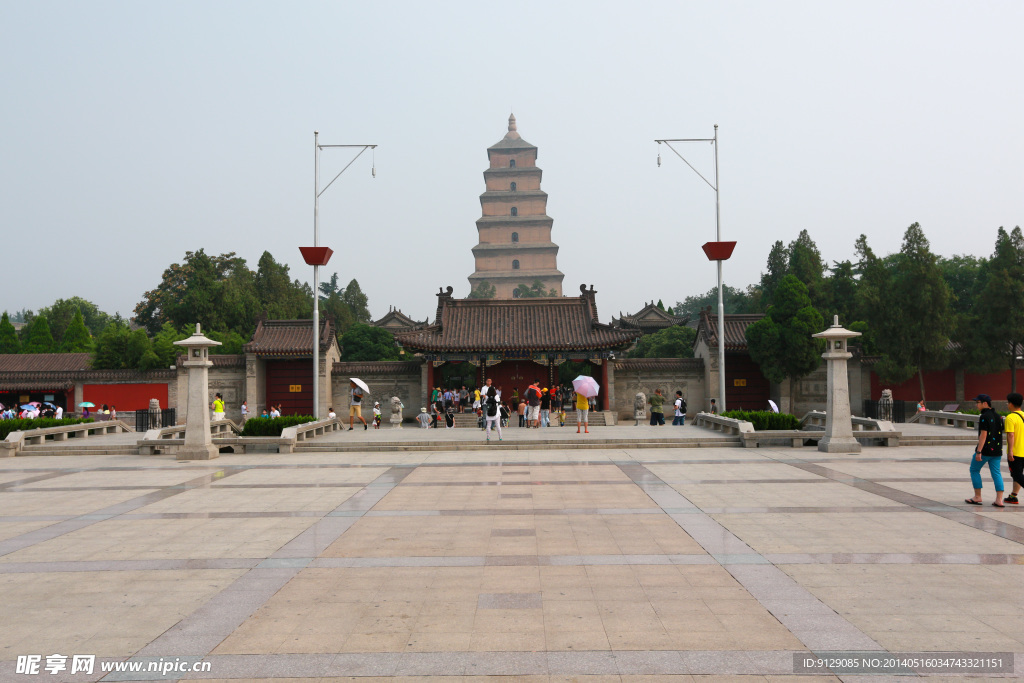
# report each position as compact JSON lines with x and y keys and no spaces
{"x":971,"y":502}
{"x":998,"y":505}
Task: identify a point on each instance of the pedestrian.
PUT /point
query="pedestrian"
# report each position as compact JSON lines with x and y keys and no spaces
{"x":561,"y":417}
{"x":265,"y":415}
{"x":245,"y":411}
{"x":545,"y":408}
{"x":218,"y":407}
{"x":521,"y":411}
{"x":657,"y":402}
{"x":714,"y":408}
{"x":1014,"y":428}
{"x":456,"y":401}
{"x":463,"y":398}
{"x":476,"y":399}
{"x":490,"y":398}
{"x":680,"y":410}
{"x":376,"y":414}
{"x":582,"y":409}
{"x":436,"y":411}
{"x":989,"y":451}
{"x":59,"y":414}
{"x":113,"y":412}
{"x":505,"y":413}
{"x":423,"y":419}
{"x":533,"y":404}
{"x":355,"y":407}
{"x":921,"y":406}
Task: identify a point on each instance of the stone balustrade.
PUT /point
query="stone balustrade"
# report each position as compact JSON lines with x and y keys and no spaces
{"x":726,"y":425}
{"x":941,"y":417}
{"x":15,"y":441}
{"x":170,"y":439}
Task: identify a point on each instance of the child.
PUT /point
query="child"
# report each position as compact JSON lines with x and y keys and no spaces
{"x":449,"y":417}
{"x":505,"y":412}
{"x":561,"y":418}
{"x":376,"y":414}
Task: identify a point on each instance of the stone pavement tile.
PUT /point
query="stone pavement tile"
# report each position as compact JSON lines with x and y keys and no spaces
{"x":879,"y":532}
{"x":119,"y":612}
{"x":12,"y":529}
{"x":738,"y":472}
{"x":314,"y":476}
{"x":582,"y":663}
{"x":168,"y":539}
{"x":42,"y":502}
{"x":875,"y":471}
{"x":238,"y":499}
{"x":826,"y":494}
{"x":136,"y":478}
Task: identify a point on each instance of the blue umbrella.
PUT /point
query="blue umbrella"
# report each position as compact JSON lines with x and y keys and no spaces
{"x":28,"y":406}
{"x":86,"y":404}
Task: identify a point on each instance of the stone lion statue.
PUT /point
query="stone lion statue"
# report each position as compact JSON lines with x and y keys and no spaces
{"x":396,"y":412}
{"x":885,"y":405}
{"x":640,"y":407}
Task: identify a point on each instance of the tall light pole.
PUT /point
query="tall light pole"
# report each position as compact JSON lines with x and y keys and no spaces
{"x":317,"y":256}
{"x":716,"y":251}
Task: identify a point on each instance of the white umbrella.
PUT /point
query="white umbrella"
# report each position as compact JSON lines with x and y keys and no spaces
{"x":775,"y":408}
{"x":586,"y":386}
{"x":360,"y":383}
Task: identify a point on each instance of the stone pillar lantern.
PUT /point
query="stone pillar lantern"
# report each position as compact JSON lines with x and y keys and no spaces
{"x":198,"y":442}
{"x":838,"y":421}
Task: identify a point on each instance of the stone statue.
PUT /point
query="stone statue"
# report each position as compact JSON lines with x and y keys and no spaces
{"x":396,"y":412}
{"x":639,"y":408}
{"x":154,"y":414}
{"x":885,"y":405}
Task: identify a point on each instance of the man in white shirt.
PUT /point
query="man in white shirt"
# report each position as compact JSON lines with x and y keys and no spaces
{"x":59,"y":414}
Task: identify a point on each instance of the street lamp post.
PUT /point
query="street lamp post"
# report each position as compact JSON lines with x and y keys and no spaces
{"x":716,"y":251}
{"x":319,"y":256}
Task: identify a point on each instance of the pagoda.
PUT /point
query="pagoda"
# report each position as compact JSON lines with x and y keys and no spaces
{"x":515,"y":246}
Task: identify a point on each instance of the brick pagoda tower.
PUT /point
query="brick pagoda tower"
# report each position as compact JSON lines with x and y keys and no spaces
{"x":515,"y":245}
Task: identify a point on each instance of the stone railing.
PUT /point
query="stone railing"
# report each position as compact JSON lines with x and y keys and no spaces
{"x":168,"y":440}
{"x":816,"y":420}
{"x":939,"y":417}
{"x":726,"y":425}
{"x":15,"y":441}
{"x":217,"y":428}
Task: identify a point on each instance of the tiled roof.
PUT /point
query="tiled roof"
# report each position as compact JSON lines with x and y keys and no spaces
{"x":396,"y":319}
{"x":356,"y":369}
{"x":55,"y":385}
{"x":736,"y":325}
{"x":659,"y":364}
{"x":219,"y":360}
{"x":650,"y":316}
{"x":44,"y":362}
{"x":289,"y":337}
{"x":540,"y":324}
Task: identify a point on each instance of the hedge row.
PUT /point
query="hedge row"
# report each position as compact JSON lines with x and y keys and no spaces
{"x":765,"y":420}
{"x":8,"y":426}
{"x":272,"y":426}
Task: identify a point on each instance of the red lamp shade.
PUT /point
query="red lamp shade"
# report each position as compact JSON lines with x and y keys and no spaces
{"x":718,"y":251}
{"x":318,"y":256}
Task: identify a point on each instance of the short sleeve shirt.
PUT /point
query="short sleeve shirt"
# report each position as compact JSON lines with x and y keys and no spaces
{"x":582,"y":402}
{"x":1015,"y":425}
{"x":657,"y":403}
{"x":990,"y":422}
{"x":533,"y":396}
{"x":357,"y":396}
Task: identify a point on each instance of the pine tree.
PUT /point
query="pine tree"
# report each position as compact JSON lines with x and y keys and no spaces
{"x":781,"y":342}
{"x":9,"y":342}
{"x":39,"y":338}
{"x":997,"y":324}
{"x":76,"y":337}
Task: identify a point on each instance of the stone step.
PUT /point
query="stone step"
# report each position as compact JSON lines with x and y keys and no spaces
{"x":81,"y":450}
{"x":511,"y":444}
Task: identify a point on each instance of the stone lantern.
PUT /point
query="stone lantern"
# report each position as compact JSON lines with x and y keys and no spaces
{"x":198,"y":442}
{"x":838,"y":421}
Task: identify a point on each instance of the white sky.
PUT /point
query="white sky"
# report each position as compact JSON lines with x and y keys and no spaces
{"x":134,"y":131}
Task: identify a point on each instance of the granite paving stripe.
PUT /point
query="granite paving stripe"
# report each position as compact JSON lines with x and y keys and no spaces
{"x":894,"y":558}
{"x":33,"y":479}
{"x":52,"y":531}
{"x":225,"y":515}
{"x":509,"y":601}
{"x":790,"y":510}
{"x":85,"y":488}
{"x":817,"y":625}
{"x":745,"y":482}
{"x":956,"y":514}
{"x":513,"y":532}
{"x":126,"y":565}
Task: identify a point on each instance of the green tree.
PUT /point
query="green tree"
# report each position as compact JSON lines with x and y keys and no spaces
{"x":777,"y":268}
{"x":781,"y":342}
{"x":137,"y":347}
{"x":39,"y":339}
{"x":367,"y":343}
{"x":963,"y":276}
{"x":485,"y":290}
{"x":806,"y":264}
{"x":9,"y":342}
{"x":671,"y":342}
{"x":842,"y":287}
{"x":535,"y":290}
{"x":357,"y":302}
{"x":163,"y":345}
{"x":231,"y":342}
{"x":279,"y":296}
{"x":996,"y":325}
{"x":76,"y":338}
{"x":734,"y":301}
{"x":62,"y":311}
{"x":111,"y":346}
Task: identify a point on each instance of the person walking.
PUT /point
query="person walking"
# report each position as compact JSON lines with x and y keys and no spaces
{"x":355,"y":407}
{"x":423,"y":419}
{"x":1014,"y":428}
{"x":218,"y":407}
{"x":989,"y":451}
{"x":521,"y":409}
{"x":463,"y":398}
{"x":679,"y":419}
{"x":491,"y":398}
{"x":533,"y":404}
{"x":245,"y":411}
{"x":657,"y":402}
{"x":545,"y":408}
{"x":582,"y":410}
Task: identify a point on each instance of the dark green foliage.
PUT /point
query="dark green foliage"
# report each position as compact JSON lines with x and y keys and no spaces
{"x":963,"y":276}
{"x":357,"y":302}
{"x":535,"y":290}
{"x":485,"y":290}
{"x":62,"y":311}
{"x":764,"y":420}
{"x":842,"y":286}
{"x":112,"y":347}
{"x":781,"y":342}
{"x":777,"y":268}
{"x":272,"y":426}
{"x":366,"y":343}
{"x":39,"y":339}
{"x":734,"y":300}
{"x":76,"y":338}
{"x":163,"y":345}
{"x":18,"y":425}
{"x":231,"y":342}
{"x":9,"y":342}
{"x":671,"y":342}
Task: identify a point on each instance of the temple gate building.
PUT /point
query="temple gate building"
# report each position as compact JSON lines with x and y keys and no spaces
{"x":515,"y":245}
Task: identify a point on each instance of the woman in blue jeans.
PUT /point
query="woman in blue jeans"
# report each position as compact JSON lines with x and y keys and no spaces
{"x":989,"y":451}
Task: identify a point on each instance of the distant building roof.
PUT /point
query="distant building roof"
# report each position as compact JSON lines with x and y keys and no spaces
{"x":658,"y":364}
{"x":289,"y":337}
{"x":42,"y":371}
{"x":384,"y":367}
{"x":649,"y":319}
{"x":219,"y":360}
{"x":736,"y":325}
{"x":44,"y":362}
{"x":395,"y":320}
{"x":512,"y":140}
{"x":535,"y":324}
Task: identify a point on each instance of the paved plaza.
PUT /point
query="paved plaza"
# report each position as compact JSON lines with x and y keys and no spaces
{"x":502,"y":562}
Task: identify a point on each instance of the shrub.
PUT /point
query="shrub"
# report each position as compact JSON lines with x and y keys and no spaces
{"x":765,"y":420}
{"x":8,"y":426}
{"x":272,"y":426}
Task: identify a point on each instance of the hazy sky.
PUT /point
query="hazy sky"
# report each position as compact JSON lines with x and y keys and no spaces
{"x":133,"y":132}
